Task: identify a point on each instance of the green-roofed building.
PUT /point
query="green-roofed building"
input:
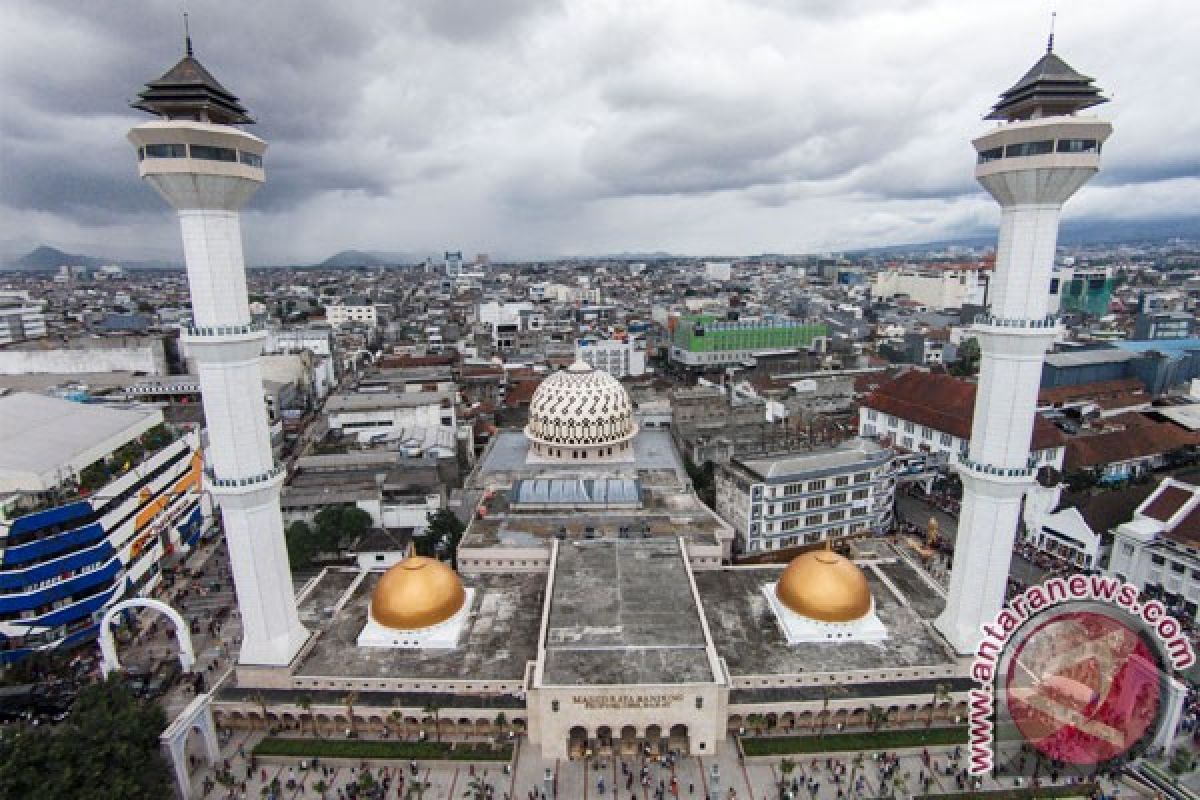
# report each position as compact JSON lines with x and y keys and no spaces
{"x":705,"y":341}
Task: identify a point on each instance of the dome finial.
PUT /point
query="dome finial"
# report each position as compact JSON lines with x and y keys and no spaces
{"x":187,"y":36}
{"x":1050,"y":41}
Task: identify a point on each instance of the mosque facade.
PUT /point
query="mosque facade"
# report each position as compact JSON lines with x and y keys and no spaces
{"x":592,"y":606}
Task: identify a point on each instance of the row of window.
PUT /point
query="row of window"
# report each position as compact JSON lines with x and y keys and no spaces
{"x":202,"y":152}
{"x":1040,"y":148}
{"x":822,"y":484}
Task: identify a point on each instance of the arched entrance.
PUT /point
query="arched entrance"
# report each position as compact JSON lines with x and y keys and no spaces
{"x":629,"y":743}
{"x":577,"y":742}
{"x":654,"y":744}
{"x":677,"y":741}
{"x":604,"y":742}
{"x":191,"y":737}
{"x":108,"y":648}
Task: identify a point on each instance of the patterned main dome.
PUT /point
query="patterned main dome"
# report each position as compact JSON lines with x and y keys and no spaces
{"x":580,"y":407}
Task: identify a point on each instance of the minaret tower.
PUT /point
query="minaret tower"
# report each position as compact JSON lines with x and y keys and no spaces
{"x":1039,"y":155}
{"x":207,"y":169}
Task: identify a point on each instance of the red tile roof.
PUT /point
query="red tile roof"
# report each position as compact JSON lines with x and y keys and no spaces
{"x":1123,"y":389}
{"x":1137,"y":440}
{"x":1187,"y":532}
{"x":1168,"y":501}
{"x":946,"y":404}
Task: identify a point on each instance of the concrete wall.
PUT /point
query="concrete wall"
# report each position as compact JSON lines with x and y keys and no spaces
{"x":88,"y":355}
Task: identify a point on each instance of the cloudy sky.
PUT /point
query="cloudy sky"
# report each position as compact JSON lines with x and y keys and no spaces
{"x":559,"y":127}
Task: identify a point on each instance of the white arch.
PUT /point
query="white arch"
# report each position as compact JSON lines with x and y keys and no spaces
{"x":108,"y":649}
{"x":197,"y":716}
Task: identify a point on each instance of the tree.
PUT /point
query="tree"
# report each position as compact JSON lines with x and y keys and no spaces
{"x":107,"y":749}
{"x":444,"y":529}
{"x":301,"y":544}
{"x":876,"y":716}
{"x":501,"y":722}
{"x":967,"y":363}
{"x":940,"y":693}
{"x":433,"y":709}
{"x":338,"y":525}
{"x":756,"y":721}
{"x":304,"y":701}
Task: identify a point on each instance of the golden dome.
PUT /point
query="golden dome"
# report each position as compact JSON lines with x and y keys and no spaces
{"x":417,"y":593}
{"x":824,"y":586}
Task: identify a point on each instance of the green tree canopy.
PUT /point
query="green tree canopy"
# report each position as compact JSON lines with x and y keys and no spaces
{"x":301,"y":544}
{"x":444,"y":528}
{"x":106,"y":749}
{"x":337,"y":526}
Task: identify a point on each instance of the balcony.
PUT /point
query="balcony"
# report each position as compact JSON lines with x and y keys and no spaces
{"x":250,"y":482}
{"x":1047,"y":322}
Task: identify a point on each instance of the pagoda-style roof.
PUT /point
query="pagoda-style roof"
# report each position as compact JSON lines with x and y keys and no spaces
{"x":189,"y":91}
{"x":1050,"y":88}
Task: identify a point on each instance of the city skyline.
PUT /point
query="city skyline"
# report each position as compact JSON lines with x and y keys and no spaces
{"x":543,"y":129}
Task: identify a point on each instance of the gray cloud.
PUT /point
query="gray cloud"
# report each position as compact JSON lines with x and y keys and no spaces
{"x":543,"y":126}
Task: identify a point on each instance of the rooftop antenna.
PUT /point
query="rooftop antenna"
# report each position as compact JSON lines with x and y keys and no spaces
{"x":187,"y":36}
{"x":1049,"y":42}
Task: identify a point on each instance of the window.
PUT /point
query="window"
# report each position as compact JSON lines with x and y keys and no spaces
{"x":834,"y":516}
{"x":813,"y":519}
{"x":166,"y":151}
{"x":814,"y":502}
{"x":207,"y":153}
{"x":250,"y":159}
{"x":860,"y":494}
{"x":1159,"y":560}
{"x":816,"y":486}
{"x":1023,"y":149}
{"x":841,"y":480}
{"x":909,"y":427}
{"x":862,"y":477}
{"x":995,"y":154}
{"x":872,"y":414}
{"x":1078,"y":146}
{"x":1177,"y":568}
{"x":837,"y":499}
{"x":926,"y":433}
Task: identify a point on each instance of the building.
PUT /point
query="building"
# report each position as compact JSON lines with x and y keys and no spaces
{"x":453,"y":262}
{"x":787,"y":501}
{"x":20,"y":319}
{"x":1078,"y":532}
{"x":621,"y":358}
{"x":428,"y":417}
{"x":1038,"y":156}
{"x":1082,"y":290}
{"x":718,"y":270}
{"x":511,"y":326}
{"x":206,"y":168}
{"x":704,"y":342}
{"x":1163,"y":325}
{"x":1158,"y":550}
{"x":925,"y":412}
{"x":94,"y":501}
{"x":144,"y":354}
{"x":936,"y":288}
{"x":352,"y":311}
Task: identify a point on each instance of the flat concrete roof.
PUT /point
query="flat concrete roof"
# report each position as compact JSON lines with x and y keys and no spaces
{"x":622,"y":612}
{"x":652,"y":450}
{"x":749,"y":639}
{"x":498,"y":642}
{"x":42,"y":438}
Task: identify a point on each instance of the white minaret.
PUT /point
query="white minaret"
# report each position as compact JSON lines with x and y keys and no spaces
{"x":207,"y":169}
{"x":1039,"y":155}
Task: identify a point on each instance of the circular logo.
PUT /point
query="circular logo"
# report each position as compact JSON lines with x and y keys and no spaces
{"x":1083,"y":687}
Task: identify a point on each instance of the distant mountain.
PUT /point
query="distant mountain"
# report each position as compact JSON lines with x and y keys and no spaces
{"x":1072,"y":232}
{"x":347,"y":259}
{"x":50,"y":258}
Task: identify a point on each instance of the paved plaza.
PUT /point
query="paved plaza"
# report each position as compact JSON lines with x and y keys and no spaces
{"x":815,"y":777}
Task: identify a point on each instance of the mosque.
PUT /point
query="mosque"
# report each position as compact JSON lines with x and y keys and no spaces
{"x":592,"y":606}
{"x":592,"y":610}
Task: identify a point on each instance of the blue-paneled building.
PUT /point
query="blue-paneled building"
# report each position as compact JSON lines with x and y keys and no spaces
{"x":93,"y":501}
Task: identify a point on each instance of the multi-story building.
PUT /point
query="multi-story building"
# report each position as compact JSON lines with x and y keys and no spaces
{"x":92,"y":500}
{"x":1163,"y":325}
{"x":384,"y":416}
{"x":352,"y":312}
{"x":1086,"y":290}
{"x":935,"y":288}
{"x":786,"y":501}
{"x":1159,"y":549}
{"x":621,"y":358}
{"x":702,"y":342}
{"x":924,"y":412}
{"x":20,"y":318}
{"x":508,"y":324}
